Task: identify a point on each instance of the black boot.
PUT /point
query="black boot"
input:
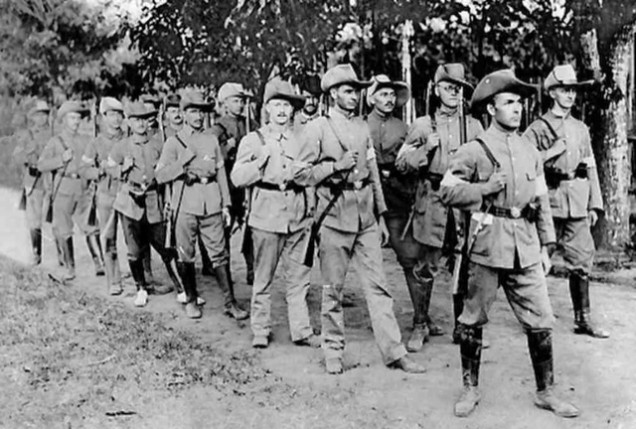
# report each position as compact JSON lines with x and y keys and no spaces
{"x":147,"y":264}
{"x":137,"y":272}
{"x":188,"y":277}
{"x":232,"y":308}
{"x":95,"y":249}
{"x":206,"y":263}
{"x":419,"y":298}
{"x":60,"y":252}
{"x":580,"y":294}
{"x":68,"y":254}
{"x":540,"y":347}
{"x":458,"y":307}
{"x":470,"y":348}
{"x":36,"y":245}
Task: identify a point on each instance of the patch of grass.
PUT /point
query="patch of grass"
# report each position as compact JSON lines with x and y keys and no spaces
{"x":66,"y":355}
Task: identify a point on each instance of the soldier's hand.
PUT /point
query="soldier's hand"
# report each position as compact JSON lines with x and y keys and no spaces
{"x":347,"y":162}
{"x":127,"y":164}
{"x":592,"y":217}
{"x":67,"y":155}
{"x":495,"y":183}
{"x":432,"y":141}
{"x":227,"y":217}
{"x":384,"y":231}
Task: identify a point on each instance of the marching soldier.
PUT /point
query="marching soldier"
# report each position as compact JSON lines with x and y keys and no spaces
{"x":278,"y":215}
{"x":310,"y":111}
{"x":94,"y":170}
{"x":575,"y":194}
{"x":70,"y":197}
{"x":173,"y":114}
{"x":30,"y":144}
{"x":193,"y":162}
{"x":430,"y":143}
{"x":498,"y":177}
{"x":337,"y":156}
{"x":230,"y":129}
{"x":138,"y":201}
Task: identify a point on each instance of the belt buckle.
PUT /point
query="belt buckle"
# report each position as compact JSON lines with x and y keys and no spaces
{"x":282,"y":186}
{"x":386,"y":173}
{"x":515,"y":212}
{"x":204,"y":180}
{"x":357,"y":184}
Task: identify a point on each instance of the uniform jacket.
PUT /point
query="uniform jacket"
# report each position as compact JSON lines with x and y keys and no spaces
{"x":388,"y":134}
{"x":324,"y":141}
{"x":229,"y":131}
{"x":51,"y":161}
{"x":272,"y":210}
{"x":501,"y":239}
{"x":300,"y":120}
{"x":145,"y":155}
{"x":430,"y":219}
{"x":29,"y":147}
{"x":200,"y":153}
{"x":95,"y":158}
{"x":572,"y":198}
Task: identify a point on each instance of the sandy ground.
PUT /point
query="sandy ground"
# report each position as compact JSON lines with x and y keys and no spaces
{"x":597,"y":375}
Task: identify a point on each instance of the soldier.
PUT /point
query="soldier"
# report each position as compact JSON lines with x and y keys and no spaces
{"x":62,"y":156}
{"x":193,"y":162}
{"x":138,"y":201}
{"x":430,"y":143}
{"x":498,"y":177}
{"x":575,"y":194}
{"x":310,"y":111}
{"x":173,"y":114}
{"x":30,"y":144}
{"x":278,"y":215}
{"x":230,"y":129}
{"x":337,"y":156}
{"x":106,"y":187}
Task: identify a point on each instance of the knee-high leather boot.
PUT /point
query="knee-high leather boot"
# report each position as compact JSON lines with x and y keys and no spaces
{"x":188,"y":277}
{"x":470,"y":347}
{"x":580,"y":294}
{"x":36,"y":245}
{"x":68,"y":254}
{"x":95,"y":249}
{"x":232,"y":308}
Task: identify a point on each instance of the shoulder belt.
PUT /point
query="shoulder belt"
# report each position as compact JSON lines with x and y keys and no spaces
{"x":550,"y":127}
{"x":489,"y":153}
{"x":185,"y":146}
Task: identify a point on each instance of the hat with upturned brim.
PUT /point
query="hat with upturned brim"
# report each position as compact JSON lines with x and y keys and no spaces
{"x":282,"y":90}
{"x":40,"y":106}
{"x":402,"y":90}
{"x":109,"y":103}
{"x":138,"y":109}
{"x":172,"y":100}
{"x":564,"y":76}
{"x":342,"y":74}
{"x":149,"y":98}
{"x":496,"y":83}
{"x":195,"y":99}
{"x":232,"y":89}
{"x":311,"y":85}
{"x":452,"y":72}
{"x":72,"y":106}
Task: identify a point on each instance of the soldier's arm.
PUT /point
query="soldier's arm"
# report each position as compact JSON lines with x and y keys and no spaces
{"x":456,"y":188}
{"x":88,"y":167}
{"x":171,"y":165}
{"x":545,"y":223}
{"x":595,"y":200}
{"x":250,"y":162}
{"x":309,"y":170}
{"x":51,"y":157}
{"x":221,"y":179}
{"x":374,"y":174}
{"x":414,"y":153}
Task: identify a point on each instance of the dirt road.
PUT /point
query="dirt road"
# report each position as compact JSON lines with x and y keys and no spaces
{"x":596,"y":375}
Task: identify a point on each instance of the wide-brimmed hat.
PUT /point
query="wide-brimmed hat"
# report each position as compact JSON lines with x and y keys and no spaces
{"x":564,"y":75}
{"x":232,"y":89}
{"x":281,"y":89}
{"x":311,"y":84}
{"x":172,"y":100}
{"x":72,"y":106}
{"x":340,"y":75}
{"x":195,"y":99}
{"x":149,"y":98}
{"x":40,"y":106}
{"x":497,"y":82}
{"x":402,"y":90}
{"x":110,"y":103}
{"x":138,"y":109}
{"x":452,"y":72}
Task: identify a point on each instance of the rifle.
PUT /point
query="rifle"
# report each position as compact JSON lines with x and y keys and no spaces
{"x":407,"y":32}
{"x":460,"y":263}
{"x":23,"y":197}
{"x":248,"y":243}
{"x":92,"y":213}
{"x":162,"y":128}
{"x":172,"y":216}
{"x":49,"y":211}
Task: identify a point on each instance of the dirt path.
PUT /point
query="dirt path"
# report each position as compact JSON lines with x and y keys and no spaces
{"x":596,"y":375}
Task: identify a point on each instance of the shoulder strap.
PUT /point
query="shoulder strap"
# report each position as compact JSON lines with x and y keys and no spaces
{"x":489,"y":153}
{"x":261,"y":137}
{"x":62,"y":142}
{"x":185,"y":146}
{"x":550,"y":127}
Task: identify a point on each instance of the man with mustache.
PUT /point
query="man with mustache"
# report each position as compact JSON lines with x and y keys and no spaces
{"x":575,"y":193}
{"x":173,"y":115}
{"x":310,"y":111}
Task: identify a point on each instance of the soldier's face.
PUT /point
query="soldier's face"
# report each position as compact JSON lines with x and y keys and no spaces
{"x":174,"y":115}
{"x":194,"y":117}
{"x":506,"y":108}
{"x":564,"y":97}
{"x":40,"y":118}
{"x":311,"y":104}
{"x":72,"y":121}
{"x":279,"y":111}
{"x":113,"y":119}
{"x":346,"y":97}
{"x":384,"y":100}
{"x":235,"y":105}
{"x":138,"y":125}
{"x":448,"y":94}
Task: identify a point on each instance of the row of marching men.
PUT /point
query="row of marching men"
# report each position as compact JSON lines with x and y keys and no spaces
{"x":350,"y":184}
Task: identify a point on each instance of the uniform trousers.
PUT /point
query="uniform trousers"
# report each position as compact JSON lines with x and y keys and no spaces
{"x":36,"y":204}
{"x":211,"y":230}
{"x":72,"y":208}
{"x":140,"y":234}
{"x":575,"y":242}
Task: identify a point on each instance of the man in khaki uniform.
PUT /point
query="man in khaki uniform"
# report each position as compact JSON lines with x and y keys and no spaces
{"x":337,"y":156}
{"x":575,"y":194}
{"x":230,"y":129}
{"x":62,"y":156}
{"x":278,"y":215}
{"x":498,"y":177}
{"x":192,"y":161}
{"x":139,"y":202}
{"x":94,"y":170}
{"x":36,"y":186}
{"x":430,"y":143}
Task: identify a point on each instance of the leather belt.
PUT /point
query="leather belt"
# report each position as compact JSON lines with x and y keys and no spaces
{"x":33,"y":171}
{"x":387,"y":170}
{"x":282,"y":187}
{"x":142,"y":186}
{"x":201,"y":180}
{"x":510,"y":213}
{"x":351,"y":186}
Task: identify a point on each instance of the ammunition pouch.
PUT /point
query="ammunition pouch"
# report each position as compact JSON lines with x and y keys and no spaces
{"x":554,"y":176}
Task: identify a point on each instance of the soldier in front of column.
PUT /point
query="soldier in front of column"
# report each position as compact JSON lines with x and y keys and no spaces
{"x":498,"y":177}
{"x":311,"y":109}
{"x":430,"y":143}
{"x":138,"y":201}
{"x":230,"y":129}
{"x":193,"y":162}
{"x":279,"y":215}
{"x":338,"y":158}
{"x":173,"y":115}
{"x":575,"y":194}
{"x":36,"y":186}
{"x":71,"y":199}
